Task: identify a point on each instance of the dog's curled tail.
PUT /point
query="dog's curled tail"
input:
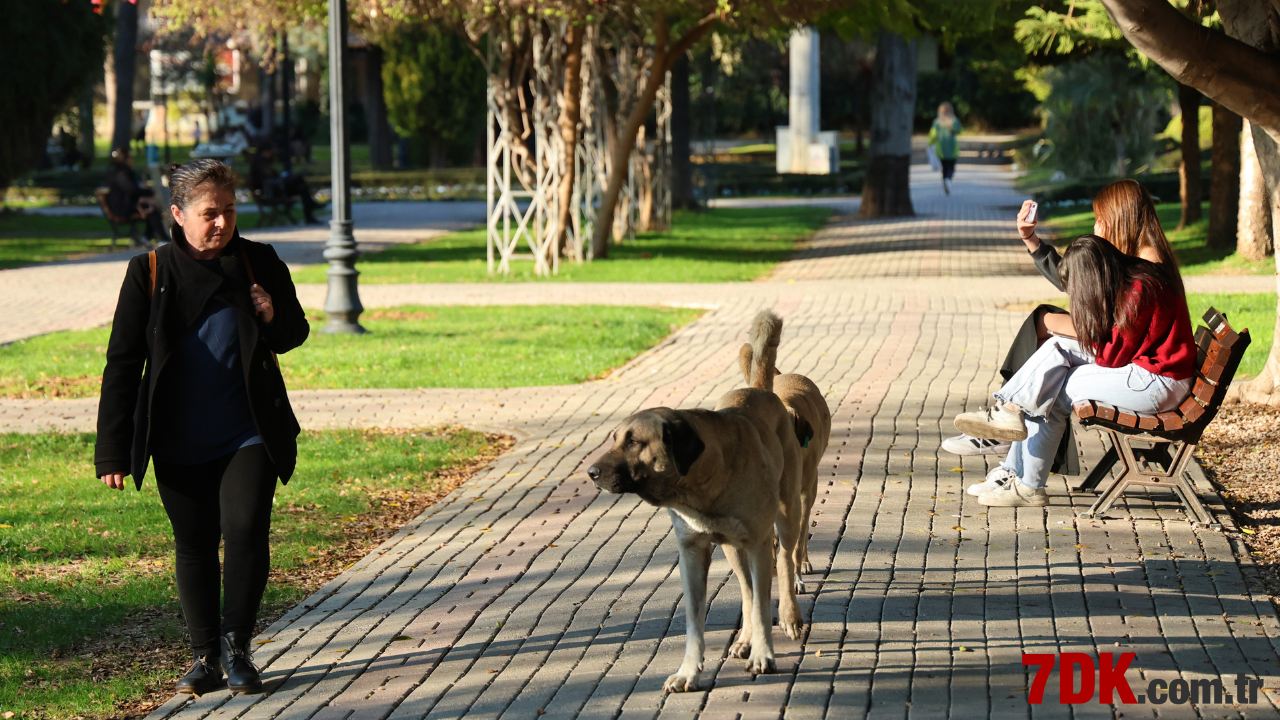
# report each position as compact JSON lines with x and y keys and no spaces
{"x":760,"y":356}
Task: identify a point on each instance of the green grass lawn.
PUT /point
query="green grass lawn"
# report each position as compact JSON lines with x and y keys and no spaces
{"x":26,"y":239}
{"x":89,"y":619}
{"x":1189,"y":243}
{"x":723,"y":245}
{"x":406,"y":347}
{"x":1253,"y":311}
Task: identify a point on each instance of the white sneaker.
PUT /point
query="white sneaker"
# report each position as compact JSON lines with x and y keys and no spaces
{"x":1000,"y":422}
{"x":967,"y":445}
{"x":1015,"y":494}
{"x":996,"y":479}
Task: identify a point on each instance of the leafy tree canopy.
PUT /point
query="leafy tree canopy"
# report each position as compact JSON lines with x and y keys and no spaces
{"x":58,"y":47}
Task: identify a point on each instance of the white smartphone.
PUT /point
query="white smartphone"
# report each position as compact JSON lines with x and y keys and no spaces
{"x":1031,"y":214}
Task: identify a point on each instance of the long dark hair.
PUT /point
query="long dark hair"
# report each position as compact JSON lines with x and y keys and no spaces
{"x":1099,"y":280}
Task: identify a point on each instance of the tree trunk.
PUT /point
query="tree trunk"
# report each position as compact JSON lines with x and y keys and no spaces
{"x":681,"y":166}
{"x":125,"y":66}
{"x":86,"y":125}
{"x":1189,"y":168}
{"x":570,"y":115}
{"x":886,"y":191}
{"x":375,"y":111}
{"x":1117,"y":133}
{"x":1224,"y":179}
{"x":1254,"y":233}
{"x":624,"y":140}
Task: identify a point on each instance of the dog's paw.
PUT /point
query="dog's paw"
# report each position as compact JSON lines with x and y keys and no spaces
{"x":799,"y":585}
{"x":762,"y":665}
{"x":741,"y":648}
{"x":681,"y":682}
{"x":791,"y":624}
{"x":806,"y":567}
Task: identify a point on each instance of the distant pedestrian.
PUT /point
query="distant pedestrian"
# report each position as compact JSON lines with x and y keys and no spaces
{"x":191,"y":384}
{"x":195,"y":135}
{"x":943,"y":136}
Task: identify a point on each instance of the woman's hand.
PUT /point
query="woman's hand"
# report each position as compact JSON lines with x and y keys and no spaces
{"x":115,"y":481}
{"x":1027,"y":228}
{"x":262,"y":303}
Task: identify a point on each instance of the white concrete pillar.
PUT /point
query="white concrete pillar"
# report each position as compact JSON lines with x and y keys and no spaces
{"x":804,"y":98}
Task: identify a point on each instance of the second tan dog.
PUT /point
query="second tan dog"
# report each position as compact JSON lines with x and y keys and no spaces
{"x":808,"y":410}
{"x":730,"y":477}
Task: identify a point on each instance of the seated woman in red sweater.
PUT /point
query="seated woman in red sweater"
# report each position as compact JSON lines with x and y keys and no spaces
{"x":1127,"y":342}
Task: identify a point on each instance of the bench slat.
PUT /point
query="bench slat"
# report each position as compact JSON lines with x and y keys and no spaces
{"x":1126,"y":418}
{"x":1170,"y":420}
{"x":1106,"y":412}
{"x":1203,"y":391}
{"x":1148,"y":422}
{"x":1083,"y":409}
{"x":1191,"y":409}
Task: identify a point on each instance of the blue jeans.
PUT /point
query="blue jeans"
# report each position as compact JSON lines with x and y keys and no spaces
{"x":1060,"y":373}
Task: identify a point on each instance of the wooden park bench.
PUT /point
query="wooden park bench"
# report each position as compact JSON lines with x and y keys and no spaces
{"x":132,"y":222}
{"x":273,"y":202}
{"x":1155,"y":449}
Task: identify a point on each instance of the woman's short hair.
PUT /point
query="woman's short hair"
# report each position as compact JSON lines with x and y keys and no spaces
{"x":186,"y":181}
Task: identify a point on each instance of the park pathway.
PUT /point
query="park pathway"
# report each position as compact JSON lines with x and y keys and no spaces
{"x":527,"y":593}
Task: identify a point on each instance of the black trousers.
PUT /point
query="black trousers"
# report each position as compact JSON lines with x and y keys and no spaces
{"x":948,"y":168}
{"x":224,"y":499}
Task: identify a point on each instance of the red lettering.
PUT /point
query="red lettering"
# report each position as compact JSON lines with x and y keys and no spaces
{"x":1045,"y":663}
{"x":1066,"y":678}
{"x":1112,"y":678}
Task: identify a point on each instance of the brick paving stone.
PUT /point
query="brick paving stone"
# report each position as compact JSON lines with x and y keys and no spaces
{"x":527,"y":590}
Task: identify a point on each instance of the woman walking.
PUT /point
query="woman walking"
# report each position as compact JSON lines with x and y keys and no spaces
{"x":943,"y":137}
{"x":191,"y":382}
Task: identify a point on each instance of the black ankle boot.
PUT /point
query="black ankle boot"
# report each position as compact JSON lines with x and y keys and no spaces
{"x":242,"y":676}
{"x":205,"y":675}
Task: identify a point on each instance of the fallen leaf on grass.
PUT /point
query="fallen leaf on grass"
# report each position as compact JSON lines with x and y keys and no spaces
{"x":264,"y":642}
{"x":1247,"y":531}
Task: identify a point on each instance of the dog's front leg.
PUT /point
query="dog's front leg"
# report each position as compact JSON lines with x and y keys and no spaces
{"x":695,"y":560}
{"x":760,"y":563}
{"x":741,"y":647}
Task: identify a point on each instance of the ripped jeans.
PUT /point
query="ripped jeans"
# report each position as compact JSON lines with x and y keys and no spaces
{"x":1060,"y":373}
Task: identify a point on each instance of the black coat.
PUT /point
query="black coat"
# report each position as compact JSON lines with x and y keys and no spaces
{"x":148,"y":326}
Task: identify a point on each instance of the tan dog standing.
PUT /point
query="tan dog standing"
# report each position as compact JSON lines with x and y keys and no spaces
{"x":730,"y":477}
{"x":812,"y":417}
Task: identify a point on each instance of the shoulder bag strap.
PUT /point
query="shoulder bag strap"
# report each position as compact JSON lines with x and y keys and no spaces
{"x":151,"y":262}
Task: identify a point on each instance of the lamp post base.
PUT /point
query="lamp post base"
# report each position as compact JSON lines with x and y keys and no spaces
{"x":343,"y":303}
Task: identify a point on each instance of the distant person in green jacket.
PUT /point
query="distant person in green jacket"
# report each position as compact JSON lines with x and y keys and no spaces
{"x":943,"y":136}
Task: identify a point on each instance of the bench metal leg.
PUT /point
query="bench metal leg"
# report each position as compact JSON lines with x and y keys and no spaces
{"x":1173,"y":477}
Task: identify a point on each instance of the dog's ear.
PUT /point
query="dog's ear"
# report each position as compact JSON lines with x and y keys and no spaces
{"x":682,"y":442}
{"x":804,"y":431}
